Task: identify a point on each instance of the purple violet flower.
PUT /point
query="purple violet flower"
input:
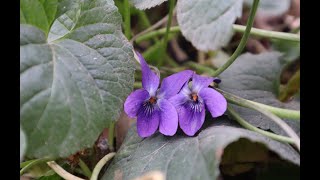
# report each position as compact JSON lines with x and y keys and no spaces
{"x":191,"y":103}
{"x":151,"y":105}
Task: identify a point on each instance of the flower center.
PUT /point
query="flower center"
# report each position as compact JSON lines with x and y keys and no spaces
{"x":152,"y":100}
{"x":195,"y":102}
{"x":149,"y":105}
{"x":194,"y":97}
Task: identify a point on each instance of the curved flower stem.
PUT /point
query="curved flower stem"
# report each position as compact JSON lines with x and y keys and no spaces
{"x":270,"y":34}
{"x":61,"y":172}
{"x":84,"y":168}
{"x":127,"y":21}
{"x":171,"y":7}
{"x":282,"y":113}
{"x":243,"y":41}
{"x":267,"y":113}
{"x":247,"y":125}
{"x":100,"y":164}
{"x":33,"y":163}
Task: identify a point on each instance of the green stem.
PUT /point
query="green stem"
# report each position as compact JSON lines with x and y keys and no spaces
{"x":171,"y":7}
{"x":100,"y":164}
{"x":145,"y":22}
{"x":127,"y":23}
{"x":169,"y":71}
{"x":282,"y":113}
{"x":243,"y":41}
{"x":147,"y":36}
{"x":151,"y":28}
{"x":200,"y":68}
{"x":33,"y":163}
{"x":137,"y":85}
{"x":238,"y":28}
{"x":247,"y":125}
{"x":268,"y":34}
{"x":241,"y":102}
{"x":85,"y":168}
{"x":144,"y":19}
{"x":111,"y":136}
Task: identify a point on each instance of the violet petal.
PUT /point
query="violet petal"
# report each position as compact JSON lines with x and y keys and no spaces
{"x":150,"y":80}
{"x":168,"y":118}
{"x":147,"y":124}
{"x":199,"y":82}
{"x":171,"y":85}
{"x":190,"y":121}
{"x":214,"y":101}
{"x":134,"y":101}
{"x":178,"y":100}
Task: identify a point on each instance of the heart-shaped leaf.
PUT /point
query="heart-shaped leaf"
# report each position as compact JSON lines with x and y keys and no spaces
{"x":199,"y":157}
{"x":208,"y":23}
{"x":146,"y":4}
{"x":73,"y":86}
{"x":256,"y":77}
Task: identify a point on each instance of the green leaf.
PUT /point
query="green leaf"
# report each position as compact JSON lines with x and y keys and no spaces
{"x":207,"y":24}
{"x":183,"y":157}
{"x":74,"y":87}
{"x":50,"y":7}
{"x":64,"y":24}
{"x":22,"y":18}
{"x":23,"y":144}
{"x":256,"y":77}
{"x":146,"y":4}
{"x":271,"y":7}
{"x":66,"y":5}
{"x":39,"y":13}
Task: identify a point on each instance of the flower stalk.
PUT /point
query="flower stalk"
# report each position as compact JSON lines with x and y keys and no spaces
{"x":171,"y":7}
{"x":267,"y":113}
{"x":268,"y":34}
{"x":100,"y":164}
{"x":280,"y":112}
{"x":247,"y":125}
{"x":61,"y":172}
{"x":243,"y":40}
{"x":127,"y":19}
